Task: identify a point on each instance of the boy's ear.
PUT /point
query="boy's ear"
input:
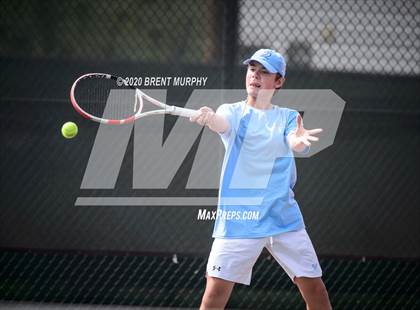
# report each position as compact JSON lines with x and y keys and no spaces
{"x":279,"y":82}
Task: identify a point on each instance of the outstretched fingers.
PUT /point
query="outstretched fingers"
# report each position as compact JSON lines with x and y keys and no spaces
{"x":305,"y":141}
{"x":314,"y":131}
{"x":312,"y":138}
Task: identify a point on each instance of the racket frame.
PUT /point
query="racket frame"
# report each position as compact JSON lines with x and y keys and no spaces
{"x":139,"y":95}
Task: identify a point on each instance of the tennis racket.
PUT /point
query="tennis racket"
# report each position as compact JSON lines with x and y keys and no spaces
{"x":107,"y":99}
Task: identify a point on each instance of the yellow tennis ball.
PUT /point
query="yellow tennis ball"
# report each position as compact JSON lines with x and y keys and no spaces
{"x":69,"y":130}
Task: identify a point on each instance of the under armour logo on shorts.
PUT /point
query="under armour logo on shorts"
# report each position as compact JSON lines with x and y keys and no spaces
{"x":217,"y":268}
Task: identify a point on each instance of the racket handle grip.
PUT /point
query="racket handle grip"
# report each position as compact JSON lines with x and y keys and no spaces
{"x":184,"y":112}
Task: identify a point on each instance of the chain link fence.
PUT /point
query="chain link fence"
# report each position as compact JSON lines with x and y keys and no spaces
{"x":346,"y":36}
{"x":157,"y":281}
{"x":167,"y":32}
{"x":358,"y":197}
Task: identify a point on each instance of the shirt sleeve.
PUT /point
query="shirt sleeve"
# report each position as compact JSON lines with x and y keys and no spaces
{"x":228,"y":113}
{"x":291,"y":122}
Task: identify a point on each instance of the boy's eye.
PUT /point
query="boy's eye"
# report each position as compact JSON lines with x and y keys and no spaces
{"x":262,"y":71}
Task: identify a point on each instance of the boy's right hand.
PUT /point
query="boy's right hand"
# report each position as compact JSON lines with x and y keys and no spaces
{"x":204,"y":117}
{"x":207,"y":117}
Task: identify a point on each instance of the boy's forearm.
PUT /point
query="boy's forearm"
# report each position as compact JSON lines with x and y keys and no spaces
{"x":218,"y":124}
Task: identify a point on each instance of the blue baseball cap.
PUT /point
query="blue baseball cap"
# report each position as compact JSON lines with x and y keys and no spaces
{"x":273,"y":61}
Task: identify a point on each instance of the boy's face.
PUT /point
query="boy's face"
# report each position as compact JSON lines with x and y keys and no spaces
{"x":258,"y":78}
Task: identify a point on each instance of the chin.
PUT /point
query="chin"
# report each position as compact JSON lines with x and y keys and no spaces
{"x":252,"y":92}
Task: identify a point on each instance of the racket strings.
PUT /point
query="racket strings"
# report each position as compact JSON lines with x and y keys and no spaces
{"x":103,"y":98}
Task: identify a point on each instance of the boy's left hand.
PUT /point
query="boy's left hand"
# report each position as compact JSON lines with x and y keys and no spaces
{"x":302,"y":137}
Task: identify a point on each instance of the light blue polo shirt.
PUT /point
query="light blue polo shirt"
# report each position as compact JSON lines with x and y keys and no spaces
{"x":256,"y":196}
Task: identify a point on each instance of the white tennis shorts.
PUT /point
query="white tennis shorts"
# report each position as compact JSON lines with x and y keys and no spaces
{"x":233,"y":259}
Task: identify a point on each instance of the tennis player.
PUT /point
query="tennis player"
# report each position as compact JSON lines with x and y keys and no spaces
{"x":257,"y":207}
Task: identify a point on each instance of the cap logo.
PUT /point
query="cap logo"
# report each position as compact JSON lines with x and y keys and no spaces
{"x":266,"y":54}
